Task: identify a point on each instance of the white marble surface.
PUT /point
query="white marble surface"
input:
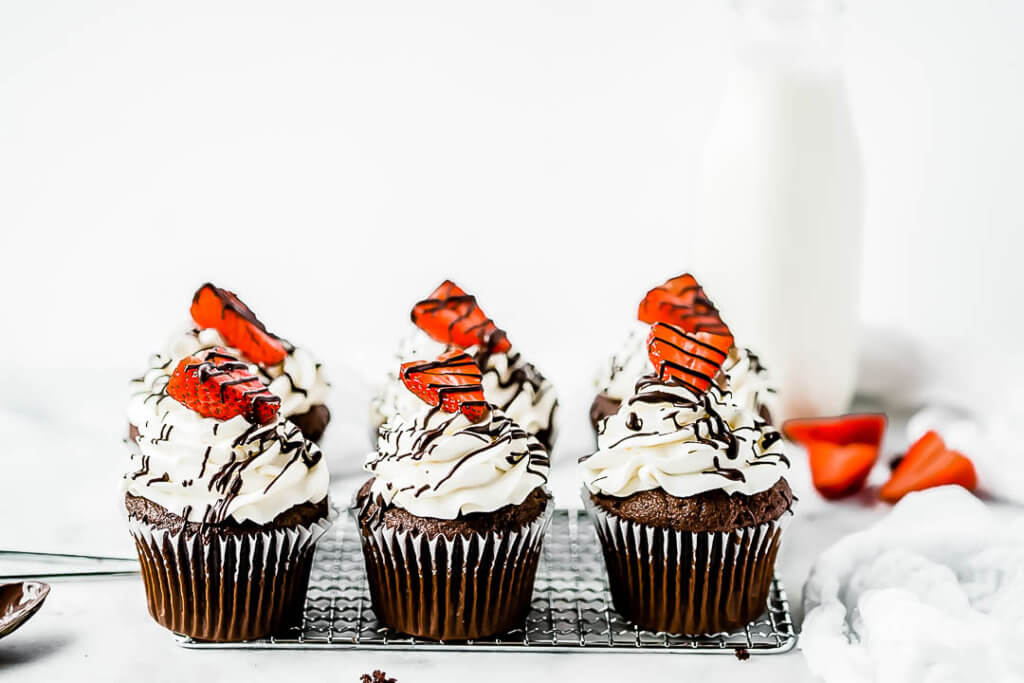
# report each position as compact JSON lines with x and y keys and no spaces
{"x":59,"y":492}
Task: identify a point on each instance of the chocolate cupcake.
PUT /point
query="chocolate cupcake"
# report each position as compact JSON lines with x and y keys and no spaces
{"x":221,"y":320}
{"x":687,"y":493}
{"x":226,"y":501}
{"x":451,"y":318}
{"x":454,"y":516}
{"x":682,"y":302}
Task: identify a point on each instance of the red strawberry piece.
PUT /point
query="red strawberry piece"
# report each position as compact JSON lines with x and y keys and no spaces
{"x":451,"y":316}
{"x":929,"y":463}
{"x":842,"y":449}
{"x":840,"y":470}
{"x":692,"y":358}
{"x":452,"y":382}
{"x":237,"y":324}
{"x":682,"y":302}
{"x":866,"y":428}
{"x":220,"y":386}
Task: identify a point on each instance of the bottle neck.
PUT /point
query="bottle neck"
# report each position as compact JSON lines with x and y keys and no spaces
{"x":801,"y":34}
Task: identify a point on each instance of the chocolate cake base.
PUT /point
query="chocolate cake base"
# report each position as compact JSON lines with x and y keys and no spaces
{"x":685,"y":570}
{"x":225,"y":582}
{"x":603,"y":406}
{"x":452,"y":579}
{"x":707,"y":511}
{"x":313,"y":422}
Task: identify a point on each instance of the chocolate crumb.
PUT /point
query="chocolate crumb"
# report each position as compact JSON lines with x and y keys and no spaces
{"x":377,"y":676}
{"x":742,"y":654}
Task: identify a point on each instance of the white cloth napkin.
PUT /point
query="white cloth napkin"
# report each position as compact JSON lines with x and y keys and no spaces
{"x":933,"y":592}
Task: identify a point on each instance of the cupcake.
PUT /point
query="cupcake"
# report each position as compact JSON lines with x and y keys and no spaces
{"x":226,"y":501}
{"x":687,"y":493}
{"x":450,"y":318}
{"x":221,"y":320}
{"x":453,"y":518}
{"x":681,"y":302}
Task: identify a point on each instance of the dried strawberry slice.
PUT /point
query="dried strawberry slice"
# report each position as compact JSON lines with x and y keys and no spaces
{"x":692,"y":358}
{"x":682,"y":302}
{"x":237,"y":324}
{"x":928,"y":463}
{"x":220,"y":386}
{"x":452,"y":382}
{"x":451,"y":316}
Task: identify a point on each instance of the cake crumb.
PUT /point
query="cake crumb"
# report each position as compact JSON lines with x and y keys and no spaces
{"x":742,"y":654}
{"x":377,"y":676}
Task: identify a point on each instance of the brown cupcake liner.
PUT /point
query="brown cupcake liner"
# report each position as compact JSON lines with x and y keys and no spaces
{"x":682,"y":582}
{"x":231,"y":588}
{"x":470,"y":586}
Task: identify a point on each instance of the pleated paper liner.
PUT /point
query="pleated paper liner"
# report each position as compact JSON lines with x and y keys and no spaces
{"x":238,"y":587}
{"x":471,"y":586}
{"x":683,"y":582}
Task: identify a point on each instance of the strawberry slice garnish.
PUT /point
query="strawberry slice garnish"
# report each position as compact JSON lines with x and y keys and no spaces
{"x":692,"y":358}
{"x":451,"y":316}
{"x":842,"y":450}
{"x":220,"y":386}
{"x":682,"y":302}
{"x":237,"y":324}
{"x":928,"y":463}
{"x":452,"y":382}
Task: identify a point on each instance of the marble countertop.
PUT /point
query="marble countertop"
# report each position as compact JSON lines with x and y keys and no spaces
{"x":59,"y":493}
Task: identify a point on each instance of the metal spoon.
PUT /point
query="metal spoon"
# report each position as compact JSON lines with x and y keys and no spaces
{"x":18,"y":602}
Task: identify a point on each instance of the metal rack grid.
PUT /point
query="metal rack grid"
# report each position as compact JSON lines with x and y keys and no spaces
{"x":571,"y":607}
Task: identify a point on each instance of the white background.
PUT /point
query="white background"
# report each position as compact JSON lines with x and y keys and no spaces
{"x":332,"y":161}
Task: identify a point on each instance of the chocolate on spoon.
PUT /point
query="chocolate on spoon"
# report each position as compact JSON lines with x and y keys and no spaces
{"x":19,"y":602}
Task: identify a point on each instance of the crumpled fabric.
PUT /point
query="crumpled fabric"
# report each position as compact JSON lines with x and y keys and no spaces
{"x":933,"y":592}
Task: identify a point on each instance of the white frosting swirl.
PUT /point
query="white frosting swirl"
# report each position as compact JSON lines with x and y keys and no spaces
{"x":299,"y":380}
{"x":748,"y":382}
{"x":664,"y":437}
{"x":509,"y":382}
{"x":441,"y":465}
{"x":204,"y":469}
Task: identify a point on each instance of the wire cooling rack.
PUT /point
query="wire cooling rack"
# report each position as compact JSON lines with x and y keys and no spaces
{"x":571,"y":607}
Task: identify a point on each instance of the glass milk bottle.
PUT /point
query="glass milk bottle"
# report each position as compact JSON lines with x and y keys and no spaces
{"x":779,"y":239}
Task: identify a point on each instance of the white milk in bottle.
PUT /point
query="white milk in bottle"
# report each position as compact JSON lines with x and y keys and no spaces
{"x":778,"y":244}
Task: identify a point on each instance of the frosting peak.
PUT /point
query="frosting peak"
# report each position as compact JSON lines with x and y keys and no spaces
{"x":509,"y":382}
{"x":664,"y":436}
{"x":743,"y":379}
{"x":299,"y":380}
{"x":436,"y":464}
{"x":207,"y":470}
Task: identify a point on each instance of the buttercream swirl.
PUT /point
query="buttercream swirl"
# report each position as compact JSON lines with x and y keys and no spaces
{"x":299,"y":380}
{"x":208,"y":470}
{"x":509,"y":382}
{"x":743,"y":377}
{"x":441,"y":465}
{"x":665,"y":437}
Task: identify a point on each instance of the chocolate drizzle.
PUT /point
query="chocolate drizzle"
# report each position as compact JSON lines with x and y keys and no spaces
{"x":418,"y":440}
{"x":452,"y":380}
{"x":679,"y":408}
{"x":466,"y":320}
{"x":226,"y":481}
